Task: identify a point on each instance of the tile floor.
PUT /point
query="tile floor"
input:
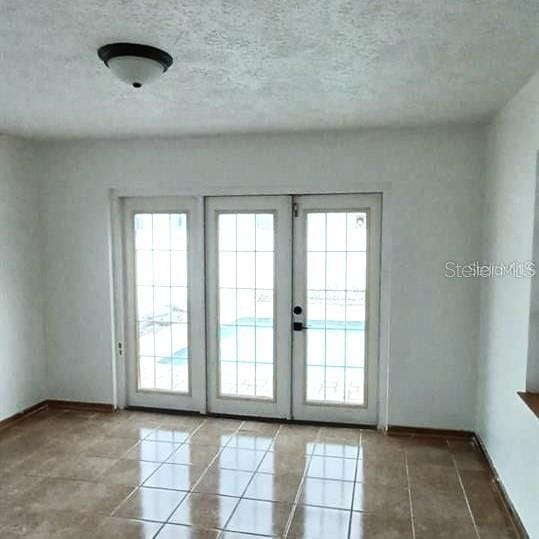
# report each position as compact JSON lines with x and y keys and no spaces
{"x":141,"y":475}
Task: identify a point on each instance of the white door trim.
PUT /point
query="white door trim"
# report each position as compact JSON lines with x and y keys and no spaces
{"x":195,"y":399}
{"x":281,"y":207}
{"x":320,"y":411}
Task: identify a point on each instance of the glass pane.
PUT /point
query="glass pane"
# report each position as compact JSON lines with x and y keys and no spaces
{"x":316,"y":232}
{"x":246,"y":303}
{"x":335,"y":314}
{"x":162,"y":304}
{"x":143,"y":231}
{"x":161,"y":231}
{"x":264,"y":232}
{"x":246,"y":232}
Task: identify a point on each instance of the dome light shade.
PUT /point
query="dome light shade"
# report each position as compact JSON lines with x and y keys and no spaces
{"x":136,"y":65}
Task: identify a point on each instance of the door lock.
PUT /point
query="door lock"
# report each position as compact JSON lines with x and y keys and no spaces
{"x":298,"y":319}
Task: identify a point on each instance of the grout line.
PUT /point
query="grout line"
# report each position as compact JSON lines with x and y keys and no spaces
{"x":297,"y":497}
{"x":242,"y":496}
{"x":412,"y":517}
{"x":159,"y":467}
{"x":355,"y":484}
{"x":464,"y":492}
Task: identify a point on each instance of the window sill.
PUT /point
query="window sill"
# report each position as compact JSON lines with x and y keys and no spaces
{"x":531,"y":400}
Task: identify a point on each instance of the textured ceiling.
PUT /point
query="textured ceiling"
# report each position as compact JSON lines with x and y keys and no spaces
{"x":262,"y":65}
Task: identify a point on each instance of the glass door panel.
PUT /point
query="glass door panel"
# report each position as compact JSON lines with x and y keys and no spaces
{"x":247,"y":243}
{"x":335,"y":309}
{"x":336,"y":288}
{"x":161,"y":287}
{"x":246,"y":304}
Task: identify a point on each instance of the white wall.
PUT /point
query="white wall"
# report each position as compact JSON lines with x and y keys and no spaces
{"x":22,"y":351}
{"x":434,"y":181}
{"x":508,"y":428}
{"x":532,"y":377}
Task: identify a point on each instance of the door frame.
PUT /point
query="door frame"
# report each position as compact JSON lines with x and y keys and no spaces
{"x":281,"y":207}
{"x":335,"y":412}
{"x":294,"y":186}
{"x":195,"y":398}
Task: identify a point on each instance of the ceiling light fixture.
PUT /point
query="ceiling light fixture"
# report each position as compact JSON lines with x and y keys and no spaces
{"x":135,"y":64}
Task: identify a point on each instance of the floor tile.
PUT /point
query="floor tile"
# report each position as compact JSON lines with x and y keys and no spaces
{"x":81,"y":476}
{"x":65,"y":495}
{"x":441,"y":477}
{"x":133,"y":432}
{"x":168,"y":435}
{"x":100,"y":498}
{"x":150,"y":504}
{"x":210,"y":437}
{"x":485,"y":502}
{"x":122,"y":528}
{"x":110,"y":447}
{"x":151,"y":451}
{"x":81,"y":467}
{"x":174,"y":476}
{"x":221,"y":481}
{"x":332,"y":468}
{"x":177,"y":531}
{"x":382,"y":472}
{"x":235,"y":458}
{"x":260,"y":517}
{"x":281,"y":462}
{"x":497,"y":532}
{"x":244,"y":440}
{"x":204,"y":510}
{"x":265,"y":428}
{"x":339,"y":435}
{"x":57,"y":524}
{"x":427,"y":529}
{"x":334,"y":449}
{"x":382,"y":499}
{"x":327,"y":493}
{"x":380,"y":527}
{"x":129,"y":472}
{"x":197,"y":455}
{"x":275,"y":488}
{"x":319,"y":523}
{"x":427,"y":454}
{"x":431,"y":503}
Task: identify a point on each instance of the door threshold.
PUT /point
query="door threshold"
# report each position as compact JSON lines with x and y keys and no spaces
{"x":287,"y":421}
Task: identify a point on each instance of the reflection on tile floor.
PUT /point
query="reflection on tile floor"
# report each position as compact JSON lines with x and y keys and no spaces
{"x":141,"y":475}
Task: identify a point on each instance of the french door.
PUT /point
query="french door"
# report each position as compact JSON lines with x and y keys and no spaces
{"x":165,"y":347}
{"x":336,"y":290}
{"x":249,"y":285}
{"x":291,"y":289}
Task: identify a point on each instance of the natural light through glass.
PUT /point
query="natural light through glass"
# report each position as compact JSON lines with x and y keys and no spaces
{"x":162,"y":306}
{"x":335,"y":313}
{"x":245,"y":291}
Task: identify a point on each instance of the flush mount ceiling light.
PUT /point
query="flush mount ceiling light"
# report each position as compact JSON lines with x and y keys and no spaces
{"x":135,"y":64}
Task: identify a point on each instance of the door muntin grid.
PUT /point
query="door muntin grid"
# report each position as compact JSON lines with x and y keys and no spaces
{"x":246,"y":304}
{"x":335,"y":308}
{"x":162,"y":302}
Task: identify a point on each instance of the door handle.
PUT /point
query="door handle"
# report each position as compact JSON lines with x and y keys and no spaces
{"x":298,"y":318}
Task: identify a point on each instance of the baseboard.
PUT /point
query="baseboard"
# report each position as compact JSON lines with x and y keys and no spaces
{"x":500,"y":490}
{"x":19,"y":416}
{"x":398,"y":430}
{"x":82,"y":406}
{"x":54,"y":405}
